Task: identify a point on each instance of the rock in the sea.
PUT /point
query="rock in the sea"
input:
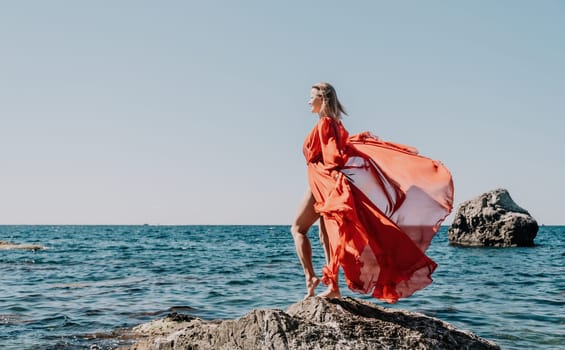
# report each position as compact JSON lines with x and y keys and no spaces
{"x":314,"y":323}
{"x":492,"y":220}
{"x":7,"y":245}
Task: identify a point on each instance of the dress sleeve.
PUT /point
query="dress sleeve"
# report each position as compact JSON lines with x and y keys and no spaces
{"x":332,"y":156}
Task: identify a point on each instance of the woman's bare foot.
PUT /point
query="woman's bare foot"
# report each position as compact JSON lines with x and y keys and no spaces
{"x":311,"y":286}
{"x":330,"y":293}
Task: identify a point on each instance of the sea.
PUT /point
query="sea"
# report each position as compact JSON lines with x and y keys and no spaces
{"x":94,"y":280}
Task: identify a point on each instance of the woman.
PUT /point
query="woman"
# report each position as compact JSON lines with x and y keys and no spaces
{"x":379,"y":205}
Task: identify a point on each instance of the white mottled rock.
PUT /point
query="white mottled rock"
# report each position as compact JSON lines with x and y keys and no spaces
{"x":7,"y":245}
{"x":314,"y":323}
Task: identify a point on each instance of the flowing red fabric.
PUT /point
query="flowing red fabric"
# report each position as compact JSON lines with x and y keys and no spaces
{"x":381,"y":203}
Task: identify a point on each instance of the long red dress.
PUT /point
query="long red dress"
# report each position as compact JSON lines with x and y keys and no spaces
{"x":381,"y":203}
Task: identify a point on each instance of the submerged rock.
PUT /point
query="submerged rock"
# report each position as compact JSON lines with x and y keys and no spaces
{"x":7,"y":245}
{"x":314,"y":323}
{"x":492,"y":219}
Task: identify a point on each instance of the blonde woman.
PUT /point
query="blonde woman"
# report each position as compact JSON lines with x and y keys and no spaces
{"x":379,"y":205}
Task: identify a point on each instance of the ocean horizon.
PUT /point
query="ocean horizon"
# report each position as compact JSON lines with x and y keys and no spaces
{"x":95,"y":279}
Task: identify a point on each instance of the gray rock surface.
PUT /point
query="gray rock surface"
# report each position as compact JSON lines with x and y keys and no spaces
{"x":7,"y":246}
{"x":492,"y":219}
{"x":314,"y":323}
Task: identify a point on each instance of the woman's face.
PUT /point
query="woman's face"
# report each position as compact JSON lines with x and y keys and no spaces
{"x":315,"y":101}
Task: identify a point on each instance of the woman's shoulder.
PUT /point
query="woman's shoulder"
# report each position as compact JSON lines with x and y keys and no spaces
{"x":325,"y":124}
{"x":325,"y":121}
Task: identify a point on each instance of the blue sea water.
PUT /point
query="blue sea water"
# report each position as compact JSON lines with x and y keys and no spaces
{"x":93,"y":280}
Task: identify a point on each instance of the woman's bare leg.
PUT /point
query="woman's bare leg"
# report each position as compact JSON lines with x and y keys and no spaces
{"x":333,"y":290}
{"x":325,"y":240}
{"x":305,"y":218}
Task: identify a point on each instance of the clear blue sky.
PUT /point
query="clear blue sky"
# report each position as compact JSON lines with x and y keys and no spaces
{"x":194,"y":112}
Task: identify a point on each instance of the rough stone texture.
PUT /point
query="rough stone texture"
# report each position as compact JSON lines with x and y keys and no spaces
{"x":7,"y":245}
{"x":314,"y":323}
{"x":492,"y":220}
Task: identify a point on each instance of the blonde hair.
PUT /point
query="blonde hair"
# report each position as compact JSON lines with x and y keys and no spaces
{"x":331,"y":106}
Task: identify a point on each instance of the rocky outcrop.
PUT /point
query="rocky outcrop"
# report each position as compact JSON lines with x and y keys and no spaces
{"x":314,"y":323}
{"x":492,"y":220}
{"x":7,"y":245}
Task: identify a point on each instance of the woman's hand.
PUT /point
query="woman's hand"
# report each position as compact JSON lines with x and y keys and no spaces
{"x":334,"y":174}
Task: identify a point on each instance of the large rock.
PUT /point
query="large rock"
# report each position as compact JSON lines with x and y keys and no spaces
{"x":493,"y":220}
{"x":314,"y":323}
